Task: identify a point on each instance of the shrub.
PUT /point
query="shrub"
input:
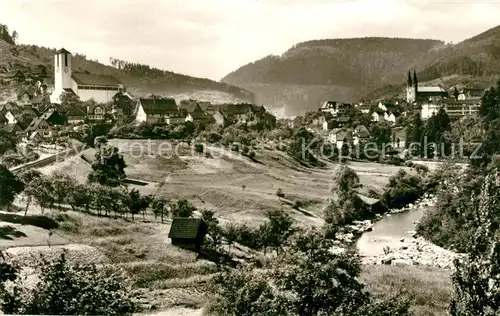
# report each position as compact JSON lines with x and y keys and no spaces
{"x":199,"y":148}
{"x":65,"y":289}
{"x":421,"y":169}
{"x":403,"y":188}
{"x":280,"y":193}
{"x":245,"y":150}
{"x":251,"y":154}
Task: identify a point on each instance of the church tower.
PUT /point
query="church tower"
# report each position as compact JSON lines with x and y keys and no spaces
{"x":411,"y":88}
{"x":62,"y":73}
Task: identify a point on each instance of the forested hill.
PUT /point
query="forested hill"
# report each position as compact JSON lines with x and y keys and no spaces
{"x":349,"y":69}
{"x":139,"y":79}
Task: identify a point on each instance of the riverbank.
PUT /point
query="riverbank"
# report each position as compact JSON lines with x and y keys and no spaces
{"x":391,"y":240}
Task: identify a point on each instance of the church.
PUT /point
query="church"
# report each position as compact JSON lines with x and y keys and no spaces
{"x":87,"y":86}
{"x":414,"y":93}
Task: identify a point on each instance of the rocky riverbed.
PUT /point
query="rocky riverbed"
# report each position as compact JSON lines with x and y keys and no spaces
{"x":392,"y":240}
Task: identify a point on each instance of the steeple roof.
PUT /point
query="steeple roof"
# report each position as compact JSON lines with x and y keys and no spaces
{"x":63,"y":51}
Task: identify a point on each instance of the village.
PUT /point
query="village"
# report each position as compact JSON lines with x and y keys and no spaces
{"x":344,"y":176}
{"x":59,"y":102}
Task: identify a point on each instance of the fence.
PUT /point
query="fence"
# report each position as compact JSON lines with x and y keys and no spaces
{"x":45,"y":161}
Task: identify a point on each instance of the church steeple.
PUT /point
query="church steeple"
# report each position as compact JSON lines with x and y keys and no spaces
{"x":409,"y":82}
{"x":415,"y":81}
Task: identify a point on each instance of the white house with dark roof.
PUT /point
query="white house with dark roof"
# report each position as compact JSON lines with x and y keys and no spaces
{"x":158,"y":110}
{"x":87,"y":86}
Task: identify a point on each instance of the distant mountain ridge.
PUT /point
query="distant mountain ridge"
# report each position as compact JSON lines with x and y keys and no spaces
{"x":144,"y":81}
{"x":376,"y":67}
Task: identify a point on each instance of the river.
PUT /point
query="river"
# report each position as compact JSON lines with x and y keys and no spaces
{"x":389,"y":231}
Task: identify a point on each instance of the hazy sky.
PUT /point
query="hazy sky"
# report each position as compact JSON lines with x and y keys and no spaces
{"x":210,"y":38}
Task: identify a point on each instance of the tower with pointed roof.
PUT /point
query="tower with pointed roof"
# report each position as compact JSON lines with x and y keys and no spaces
{"x":411,"y":87}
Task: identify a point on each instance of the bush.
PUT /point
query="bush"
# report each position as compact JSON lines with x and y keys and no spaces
{"x":65,"y":289}
{"x":421,"y":169}
{"x":403,"y":189}
{"x":199,"y":148}
{"x":245,"y":150}
{"x":280,"y":193}
{"x":251,"y":154}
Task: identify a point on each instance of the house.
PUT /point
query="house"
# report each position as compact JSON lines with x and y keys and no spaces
{"x":328,"y":125}
{"x":158,"y":110}
{"x":377,"y":115}
{"x":54,"y":115}
{"x":11,"y":115}
{"x":321,"y":118}
{"x":239,"y":113}
{"x":361,"y":134}
{"x":341,"y":121}
{"x":195,"y":114}
{"x":339,"y":136}
{"x":96,"y":112}
{"x":330,"y":107}
{"x":389,"y":117}
{"x":40,"y":126}
{"x":460,"y":92}
{"x":76,"y":116}
{"x":459,"y":108}
{"x":220,"y":118}
{"x":428,"y":109}
{"x":364,"y":108}
{"x":12,"y":76}
{"x":374,"y":206}
{"x":188,"y":233}
{"x":100,"y":88}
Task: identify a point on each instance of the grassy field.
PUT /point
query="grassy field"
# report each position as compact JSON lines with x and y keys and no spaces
{"x":231,"y":184}
{"x":429,"y":289}
{"x":237,"y":188}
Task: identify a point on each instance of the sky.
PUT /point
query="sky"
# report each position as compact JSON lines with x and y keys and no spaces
{"x":211,"y":38}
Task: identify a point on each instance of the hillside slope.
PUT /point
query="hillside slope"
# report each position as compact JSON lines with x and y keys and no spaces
{"x":349,"y":69}
{"x":141,"y":80}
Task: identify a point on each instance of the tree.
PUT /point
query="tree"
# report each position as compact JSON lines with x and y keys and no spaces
{"x":28,"y":177}
{"x":279,"y":228}
{"x":475,"y":279}
{"x":80,"y":196}
{"x":230,"y":232}
{"x":65,"y":289}
{"x":380,"y":134}
{"x":435,"y":131}
{"x":62,"y":186}
{"x":8,"y":272}
{"x":309,"y":279}
{"x":302,"y":146}
{"x":70,"y":100}
{"x":183,"y":209}
{"x":414,"y":133}
{"x":402,"y":189}
{"x":109,"y":166}
{"x":43,"y":193}
{"x":160,"y":207}
{"x":15,"y":36}
{"x":10,"y":186}
{"x":137,"y":203}
{"x":344,"y":179}
{"x":7,"y":142}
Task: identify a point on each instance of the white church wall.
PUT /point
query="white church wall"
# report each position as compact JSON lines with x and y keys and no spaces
{"x":100,"y":96}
